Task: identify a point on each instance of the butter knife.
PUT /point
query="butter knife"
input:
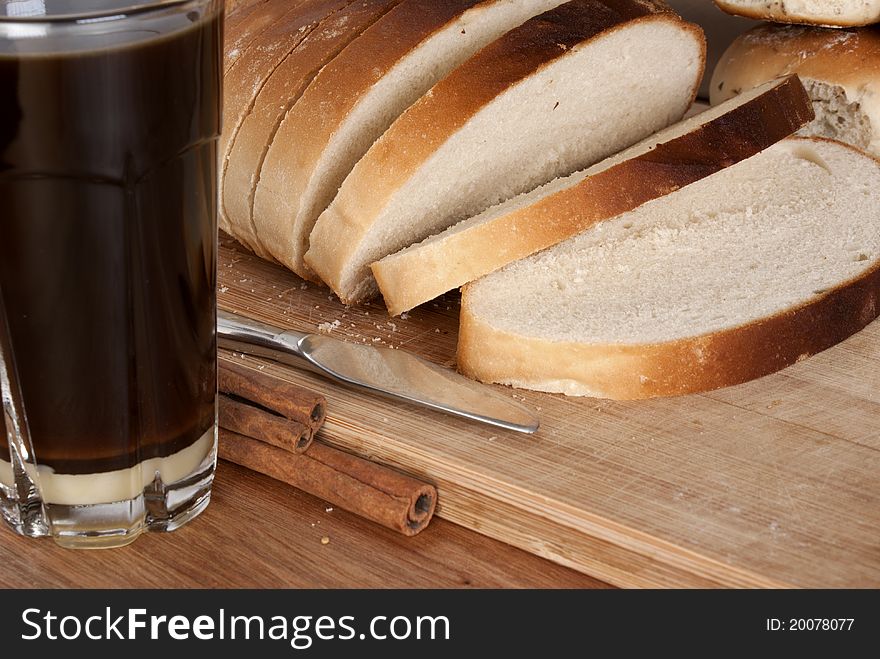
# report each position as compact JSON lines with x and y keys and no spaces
{"x":393,"y":373}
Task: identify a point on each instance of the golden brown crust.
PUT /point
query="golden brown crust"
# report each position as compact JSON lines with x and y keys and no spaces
{"x":237,"y":30}
{"x":241,"y":28}
{"x":272,"y":30}
{"x":426,"y":125}
{"x":309,"y":126}
{"x":775,"y":11}
{"x":419,"y":274}
{"x":237,"y":14}
{"x":690,"y":365}
{"x":339,"y":23}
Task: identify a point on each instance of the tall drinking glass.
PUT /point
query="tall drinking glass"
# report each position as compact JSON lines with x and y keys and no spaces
{"x":109,"y":116}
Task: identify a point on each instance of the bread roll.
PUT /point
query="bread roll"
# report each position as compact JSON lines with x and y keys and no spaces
{"x":830,"y":13}
{"x":839,"y":68}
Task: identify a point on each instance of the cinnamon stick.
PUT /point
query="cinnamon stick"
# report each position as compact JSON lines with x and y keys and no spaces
{"x":365,"y":488}
{"x":249,"y":419}
{"x":283,"y":398}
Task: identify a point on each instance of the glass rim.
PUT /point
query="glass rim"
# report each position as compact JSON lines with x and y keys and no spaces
{"x":105,"y":15}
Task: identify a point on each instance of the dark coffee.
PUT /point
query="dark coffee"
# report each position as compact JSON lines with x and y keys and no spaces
{"x":107,"y":243}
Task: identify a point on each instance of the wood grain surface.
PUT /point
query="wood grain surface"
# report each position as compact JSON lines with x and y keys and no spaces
{"x":771,"y":483}
{"x":259,"y":533}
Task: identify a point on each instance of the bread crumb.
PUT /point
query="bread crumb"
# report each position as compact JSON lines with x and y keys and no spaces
{"x":224,"y":289}
{"x":325,"y":540}
{"x":328,"y":509}
{"x":326,"y":328}
{"x":404,"y":316}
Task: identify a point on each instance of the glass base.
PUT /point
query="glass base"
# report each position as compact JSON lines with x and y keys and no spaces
{"x":157,"y":506}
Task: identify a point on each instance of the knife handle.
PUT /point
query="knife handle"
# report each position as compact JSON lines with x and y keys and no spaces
{"x":242,"y":334}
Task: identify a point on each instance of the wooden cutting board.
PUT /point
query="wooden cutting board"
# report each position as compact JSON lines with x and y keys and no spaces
{"x":771,"y":483}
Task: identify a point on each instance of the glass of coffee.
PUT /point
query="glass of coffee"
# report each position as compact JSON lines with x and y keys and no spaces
{"x":109,"y":117}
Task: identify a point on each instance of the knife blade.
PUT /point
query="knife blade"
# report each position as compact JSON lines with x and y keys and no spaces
{"x":392,"y":373}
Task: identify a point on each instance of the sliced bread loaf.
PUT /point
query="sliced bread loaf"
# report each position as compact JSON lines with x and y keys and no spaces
{"x":562,"y":91}
{"x":350,"y":104}
{"x":289,"y":22}
{"x":275,"y":96}
{"x":736,"y":276}
{"x":830,"y":13}
{"x":667,"y":161}
{"x":839,"y":68}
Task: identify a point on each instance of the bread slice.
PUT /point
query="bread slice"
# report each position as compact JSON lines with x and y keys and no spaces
{"x":734,"y":277}
{"x":276,"y":95}
{"x":349,"y":105}
{"x":830,"y":13}
{"x":563,"y":90}
{"x":839,"y":68}
{"x":667,"y":161}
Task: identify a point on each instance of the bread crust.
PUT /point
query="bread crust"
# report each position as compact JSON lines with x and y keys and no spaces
{"x":310,"y":125}
{"x":423,"y":272}
{"x":774,"y":10}
{"x":689,"y":365}
{"x":239,"y":30}
{"x":274,"y":28}
{"x":425,"y":126}
{"x":341,"y":23}
{"x":849,"y":59}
